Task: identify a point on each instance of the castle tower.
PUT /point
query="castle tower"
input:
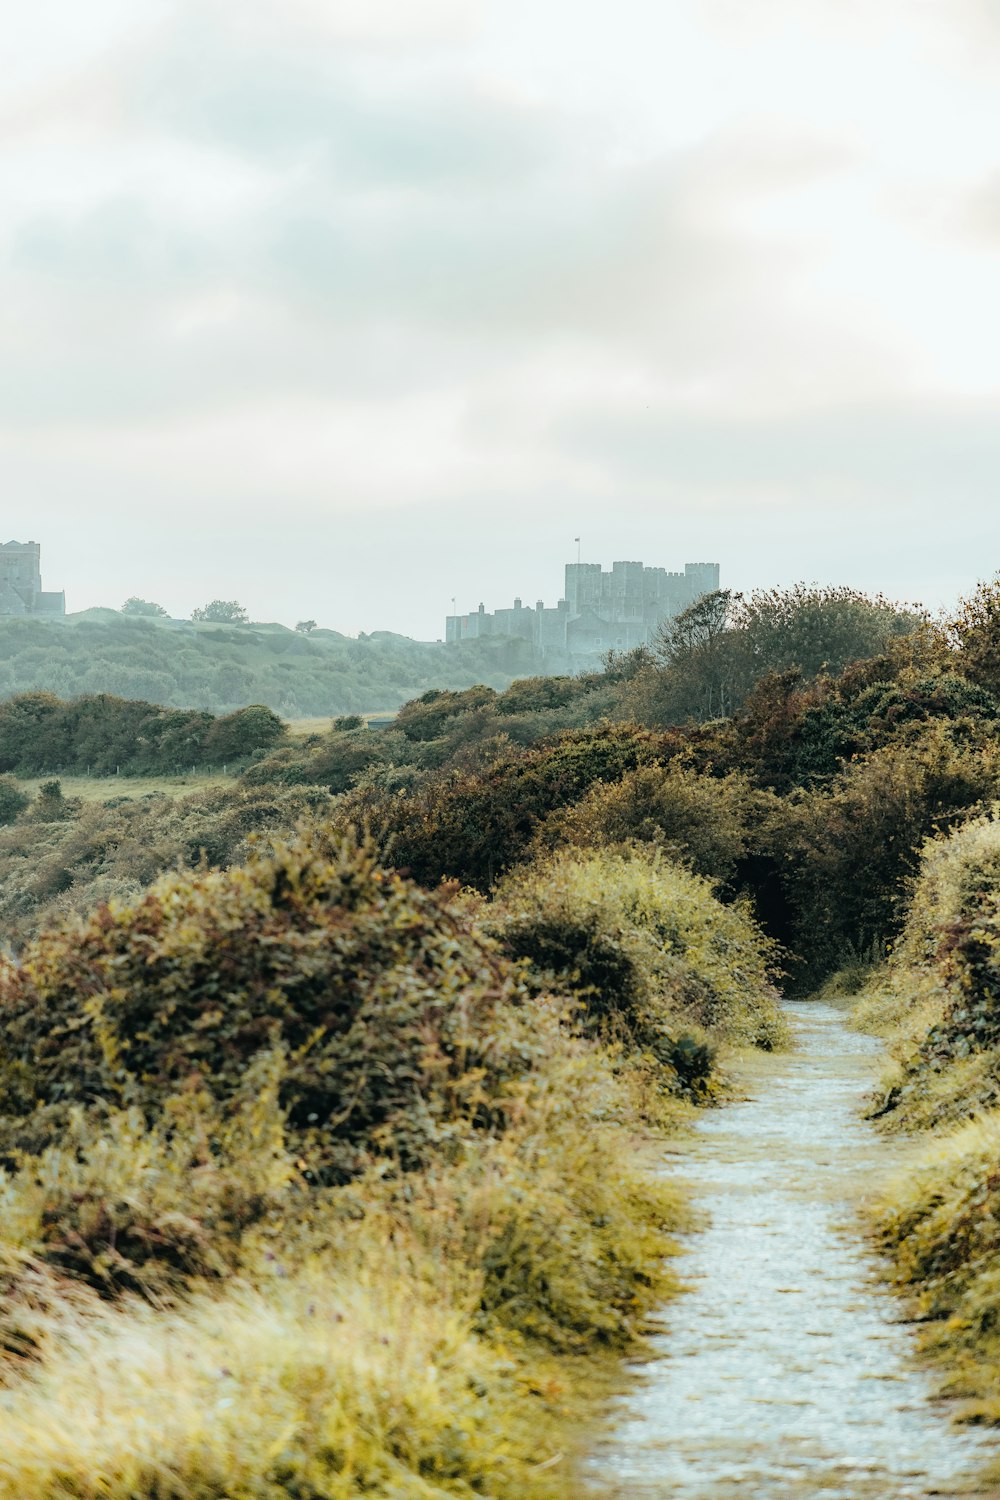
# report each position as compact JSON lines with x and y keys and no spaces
{"x":21,"y":591}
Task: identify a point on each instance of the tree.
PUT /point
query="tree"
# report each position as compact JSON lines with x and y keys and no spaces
{"x":241,"y":733}
{"x":222,"y":612}
{"x":305,"y":627}
{"x":696,"y":628}
{"x":141,"y":608}
{"x":975,"y":630}
{"x":701,"y":666}
{"x":818,"y":628}
{"x":719,"y":647}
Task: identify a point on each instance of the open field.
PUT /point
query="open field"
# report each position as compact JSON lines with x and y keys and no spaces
{"x":103,"y":788}
{"x":300,"y":728}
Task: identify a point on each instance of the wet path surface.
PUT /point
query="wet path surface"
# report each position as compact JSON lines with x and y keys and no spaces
{"x":786,"y":1370}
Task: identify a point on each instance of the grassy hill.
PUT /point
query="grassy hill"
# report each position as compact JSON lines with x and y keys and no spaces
{"x":222,"y":667}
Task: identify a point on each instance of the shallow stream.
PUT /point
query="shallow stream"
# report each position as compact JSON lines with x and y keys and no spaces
{"x":787,"y":1369}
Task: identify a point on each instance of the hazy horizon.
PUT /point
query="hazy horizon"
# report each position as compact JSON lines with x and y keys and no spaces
{"x":347,"y":309}
{"x":76,"y":606}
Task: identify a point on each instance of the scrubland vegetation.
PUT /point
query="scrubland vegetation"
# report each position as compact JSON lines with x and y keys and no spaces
{"x":312,"y":1188}
{"x":329,"y":1091}
{"x":936,"y":1001}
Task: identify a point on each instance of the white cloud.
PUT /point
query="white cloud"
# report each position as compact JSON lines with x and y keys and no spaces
{"x":453,"y":261}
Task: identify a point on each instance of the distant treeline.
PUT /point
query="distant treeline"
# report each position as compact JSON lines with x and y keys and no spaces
{"x":98,"y":735}
{"x":222,"y":667}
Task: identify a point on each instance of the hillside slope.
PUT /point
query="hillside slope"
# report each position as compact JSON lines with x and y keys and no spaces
{"x":221,"y":667}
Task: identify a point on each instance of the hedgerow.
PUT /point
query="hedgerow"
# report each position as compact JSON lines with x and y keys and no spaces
{"x":100,"y":734}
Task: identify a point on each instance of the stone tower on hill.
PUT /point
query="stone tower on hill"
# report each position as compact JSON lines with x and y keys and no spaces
{"x":21,"y":591}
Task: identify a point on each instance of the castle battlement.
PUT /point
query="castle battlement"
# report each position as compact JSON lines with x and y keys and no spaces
{"x":21,"y":591}
{"x":600,"y":611}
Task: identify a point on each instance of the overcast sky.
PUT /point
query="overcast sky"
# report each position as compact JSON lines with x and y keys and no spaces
{"x":346,"y":307}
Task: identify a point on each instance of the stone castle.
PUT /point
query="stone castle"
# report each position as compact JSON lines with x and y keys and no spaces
{"x":21,"y":591}
{"x":600,"y":612}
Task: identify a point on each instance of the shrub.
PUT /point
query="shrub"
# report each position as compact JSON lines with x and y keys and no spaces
{"x":701,"y":820}
{"x":383,"y":995}
{"x":940,"y":1223}
{"x":471,"y":826}
{"x":335,"y":760}
{"x":426,"y":718}
{"x":50,"y":804}
{"x":939,"y":998}
{"x":643,"y":945}
{"x":975,"y":630}
{"x":388,"y":1335}
{"x":13,"y":800}
{"x":849,"y":850}
{"x":121,"y":1205}
{"x":239,"y":734}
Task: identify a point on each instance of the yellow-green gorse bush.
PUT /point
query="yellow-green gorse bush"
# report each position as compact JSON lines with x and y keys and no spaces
{"x":643,"y":943}
{"x":382,"y":996}
{"x":938,"y":1001}
{"x":698,"y":820}
{"x":937,"y":996}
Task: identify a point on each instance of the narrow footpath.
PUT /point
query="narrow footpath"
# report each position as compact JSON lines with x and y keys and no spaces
{"x":787,"y":1369}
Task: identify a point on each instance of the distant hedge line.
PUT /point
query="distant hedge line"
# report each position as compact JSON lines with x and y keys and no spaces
{"x":99,"y":735}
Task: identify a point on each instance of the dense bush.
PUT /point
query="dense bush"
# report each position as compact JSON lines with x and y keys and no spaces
{"x":335,"y":760}
{"x":473,"y":825}
{"x":386,"y":1337}
{"x":427,"y":717}
{"x":938,"y":1000}
{"x":383,"y":997}
{"x":642,"y":944}
{"x":940,"y":1224}
{"x":707,"y":822}
{"x":124,"y":1205}
{"x":193,"y":1086}
{"x":939,"y":995}
{"x":713,"y":654}
{"x":975,"y":631}
{"x":848,"y":850}
{"x":13,"y":800}
{"x":67,"y":855}
{"x":796,"y":733}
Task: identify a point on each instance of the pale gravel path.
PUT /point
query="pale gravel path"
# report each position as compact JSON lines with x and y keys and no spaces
{"x":786,"y":1370}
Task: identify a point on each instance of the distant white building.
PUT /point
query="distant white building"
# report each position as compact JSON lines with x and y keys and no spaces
{"x":21,"y":591}
{"x":600,"y":612}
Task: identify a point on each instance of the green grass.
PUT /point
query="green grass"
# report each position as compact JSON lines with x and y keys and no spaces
{"x":103,"y":788}
{"x":302,"y":728}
